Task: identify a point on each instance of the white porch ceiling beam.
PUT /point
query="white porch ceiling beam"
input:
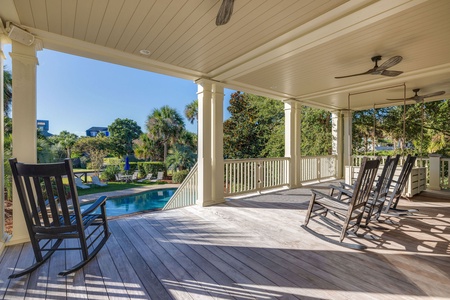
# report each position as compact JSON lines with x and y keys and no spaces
{"x":346,"y":18}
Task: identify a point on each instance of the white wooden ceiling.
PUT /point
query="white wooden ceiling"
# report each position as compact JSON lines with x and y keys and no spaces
{"x":278,"y":48}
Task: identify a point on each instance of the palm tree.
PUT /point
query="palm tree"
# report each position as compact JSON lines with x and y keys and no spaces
{"x":67,"y":140}
{"x":191,"y":111}
{"x":165,"y":124}
{"x":7,"y":91}
{"x":181,"y":158}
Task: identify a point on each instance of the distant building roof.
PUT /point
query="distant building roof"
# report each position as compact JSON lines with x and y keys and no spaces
{"x":93,"y":131}
{"x":98,"y":129}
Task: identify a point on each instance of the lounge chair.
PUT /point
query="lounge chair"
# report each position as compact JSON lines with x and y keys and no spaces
{"x":51,"y":217}
{"x":121,"y":177}
{"x":135,"y":175}
{"x":148,"y":177}
{"x":80,"y":184}
{"x":352,"y":212}
{"x":96,"y":181}
{"x":159,"y":177}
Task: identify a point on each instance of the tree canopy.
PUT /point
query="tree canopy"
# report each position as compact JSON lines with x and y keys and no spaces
{"x":122,"y":133}
{"x":251,"y":125}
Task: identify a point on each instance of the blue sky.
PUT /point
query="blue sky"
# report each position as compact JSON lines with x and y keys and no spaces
{"x":76,"y":93}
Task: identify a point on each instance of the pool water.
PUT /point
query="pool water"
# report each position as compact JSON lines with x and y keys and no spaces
{"x":150,"y":200}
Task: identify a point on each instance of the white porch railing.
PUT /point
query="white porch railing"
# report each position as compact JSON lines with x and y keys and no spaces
{"x":252,"y":175}
{"x":318,"y":167}
{"x":421,"y":162}
{"x":187,"y":192}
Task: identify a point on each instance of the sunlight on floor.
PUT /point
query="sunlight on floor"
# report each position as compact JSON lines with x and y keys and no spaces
{"x":220,"y":290}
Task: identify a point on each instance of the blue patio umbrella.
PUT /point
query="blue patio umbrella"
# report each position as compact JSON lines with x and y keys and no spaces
{"x":126,"y":167}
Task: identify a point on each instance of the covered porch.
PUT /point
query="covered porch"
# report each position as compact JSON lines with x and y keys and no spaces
{"x":250,"y":248}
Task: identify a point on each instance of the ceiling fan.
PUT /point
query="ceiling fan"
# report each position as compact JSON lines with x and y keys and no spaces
{"x":418,"y":98}
{"x":225,"y":11}
{"x":380,"y":70}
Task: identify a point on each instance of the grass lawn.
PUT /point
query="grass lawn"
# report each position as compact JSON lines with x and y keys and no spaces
{"x":114,"y":186}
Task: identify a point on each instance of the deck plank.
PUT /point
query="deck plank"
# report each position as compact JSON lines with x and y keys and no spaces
{"x":146,"y":275}
{"x":248,"y":248}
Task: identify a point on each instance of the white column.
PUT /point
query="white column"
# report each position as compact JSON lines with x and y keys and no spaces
{"x":292,"y":140}
{"x":210,"y":143}
{"x":217,"y":144}
{"x":347,"y":137}
{"x":24,"y":62}
{"x":337,"y":142}
{"x":2,"y":152}
{"x":435,"y":172}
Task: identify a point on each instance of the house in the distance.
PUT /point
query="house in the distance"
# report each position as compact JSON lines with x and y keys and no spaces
{"x":43,"y":126}
{"x":93,"y":131}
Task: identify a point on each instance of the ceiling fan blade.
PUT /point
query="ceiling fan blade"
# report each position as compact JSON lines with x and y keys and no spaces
{"x":390,"y":62}
{"x":225,"y":11}
{"x":365,"y":73}
{"x":433,"y":94}
{"x":400,"y":99}
{"x":391,"y":73}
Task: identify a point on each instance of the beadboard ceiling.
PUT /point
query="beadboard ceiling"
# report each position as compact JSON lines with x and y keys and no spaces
{"x":284,"y":49}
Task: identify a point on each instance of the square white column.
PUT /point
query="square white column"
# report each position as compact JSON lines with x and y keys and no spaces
{"x":337,"y":142}
{"x":24,"y":62}
{"x":2,"y":151}
{"x":292,"y":140}
{"x":210,"y":143}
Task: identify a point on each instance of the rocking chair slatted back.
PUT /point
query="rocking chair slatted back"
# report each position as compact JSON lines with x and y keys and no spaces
{"x":364,"y":183}
{"x":44,"y":198}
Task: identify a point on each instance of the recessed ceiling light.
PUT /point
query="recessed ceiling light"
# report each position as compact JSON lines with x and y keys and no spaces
{"x":145,"y":52}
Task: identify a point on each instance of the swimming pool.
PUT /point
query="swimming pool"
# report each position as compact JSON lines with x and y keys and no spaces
{"x":149,"y":200}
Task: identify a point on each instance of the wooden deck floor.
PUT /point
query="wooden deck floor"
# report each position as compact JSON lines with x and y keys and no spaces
{"x":251,"y":248}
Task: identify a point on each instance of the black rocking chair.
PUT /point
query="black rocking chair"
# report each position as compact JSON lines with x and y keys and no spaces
{"x":389,"y":206}
{"x":350,"y":212}
{"x":52,"y":213}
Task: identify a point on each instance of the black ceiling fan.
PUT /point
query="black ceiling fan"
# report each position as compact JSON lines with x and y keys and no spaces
{"x":225,"y":11}
{"x":380,"y":70}
{"x":419,"y":98}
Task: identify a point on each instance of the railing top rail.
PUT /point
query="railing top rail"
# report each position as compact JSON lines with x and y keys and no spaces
{"x":320,"y":156}
{"x":255,"y":159}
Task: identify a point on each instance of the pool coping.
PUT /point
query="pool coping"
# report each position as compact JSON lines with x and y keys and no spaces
{"x":136,"y":190}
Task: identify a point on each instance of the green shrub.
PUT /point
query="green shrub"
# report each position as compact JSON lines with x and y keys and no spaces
{"x":150,"y":167}
{"x":179,"y":176}
{"x":110,"y":172}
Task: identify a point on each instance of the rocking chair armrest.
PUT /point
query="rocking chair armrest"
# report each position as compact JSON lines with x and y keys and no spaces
{"x":346,"y":185}
{"x":322,"y":195}
{"x":95,"y":205}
